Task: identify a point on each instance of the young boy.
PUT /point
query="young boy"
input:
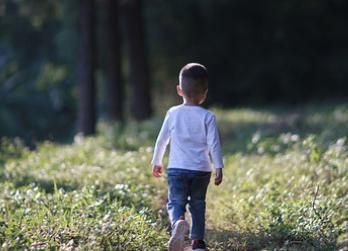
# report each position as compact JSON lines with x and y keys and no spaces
{"x":193,"y":135}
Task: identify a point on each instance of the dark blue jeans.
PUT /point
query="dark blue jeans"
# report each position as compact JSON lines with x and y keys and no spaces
{"x":188,"y":187}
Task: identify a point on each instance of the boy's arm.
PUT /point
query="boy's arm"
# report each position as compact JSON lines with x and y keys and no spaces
{"x":213,"y":140}
{"x":160,"y":147}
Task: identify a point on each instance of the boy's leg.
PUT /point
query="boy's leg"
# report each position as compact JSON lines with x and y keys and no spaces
{"x":198,"y":190}
{"x":178,"y":189}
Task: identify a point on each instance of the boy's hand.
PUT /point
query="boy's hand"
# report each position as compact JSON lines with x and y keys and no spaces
{"x":218,"y":176}
{"x":156,"y":171}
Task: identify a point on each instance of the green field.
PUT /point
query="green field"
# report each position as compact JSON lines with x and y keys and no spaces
{"x":285,"y":186}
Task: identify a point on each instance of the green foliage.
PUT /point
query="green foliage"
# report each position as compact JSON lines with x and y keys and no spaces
{"x":80,"y":196}
{"x":35,"y":74}
{"x":84,"y":219}
{"x":285,"y":192}
{"x":129,"y":136}
{"x":11,"y":149}
{"x":285,"y":186}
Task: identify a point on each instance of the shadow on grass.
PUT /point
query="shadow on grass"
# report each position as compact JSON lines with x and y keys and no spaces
{"x":228,"y":240}
{"x":237,"y":129}
{"x":47,"y":185}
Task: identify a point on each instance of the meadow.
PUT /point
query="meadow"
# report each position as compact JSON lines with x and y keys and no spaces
{"x":285,"y":186}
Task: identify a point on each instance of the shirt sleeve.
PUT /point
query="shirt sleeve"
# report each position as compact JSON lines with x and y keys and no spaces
{"x":213,"y":140}
{"x":161,"y":142}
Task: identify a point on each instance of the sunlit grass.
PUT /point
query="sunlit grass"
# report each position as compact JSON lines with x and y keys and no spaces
{"x":269,"y":200}
{"x":285,"y":186}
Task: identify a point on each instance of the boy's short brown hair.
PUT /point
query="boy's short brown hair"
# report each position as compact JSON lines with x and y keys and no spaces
{"x":193,"y":79}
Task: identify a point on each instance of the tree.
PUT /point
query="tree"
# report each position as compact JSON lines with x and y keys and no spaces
{"x":87,"y":89}
{"x":139,"y":78}
{"x":113,"y":58}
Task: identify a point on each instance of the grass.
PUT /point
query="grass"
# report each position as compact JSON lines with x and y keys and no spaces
{"x":285,"y":186}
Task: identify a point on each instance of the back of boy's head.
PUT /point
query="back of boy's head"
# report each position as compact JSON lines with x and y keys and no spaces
{"x":193,"y":79}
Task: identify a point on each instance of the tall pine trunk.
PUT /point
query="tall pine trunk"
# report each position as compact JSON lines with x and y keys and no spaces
{"x":113,"y":60}
{"x":138,"y":66}
{"x":87,"y":88}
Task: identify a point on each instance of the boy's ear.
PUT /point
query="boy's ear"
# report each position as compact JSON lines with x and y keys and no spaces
{"x":179,"y":91}
{"x":205,"y":94}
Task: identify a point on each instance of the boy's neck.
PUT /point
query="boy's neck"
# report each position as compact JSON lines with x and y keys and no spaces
{"x":190,"y":102}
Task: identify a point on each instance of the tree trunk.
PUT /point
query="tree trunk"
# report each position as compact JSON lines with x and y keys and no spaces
{"x":113,"y":60}
{"x":138,"y":65}
{"x":87,"y":89}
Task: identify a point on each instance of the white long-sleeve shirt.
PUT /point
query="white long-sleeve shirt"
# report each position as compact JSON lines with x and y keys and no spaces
{"x":193,"y":135}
